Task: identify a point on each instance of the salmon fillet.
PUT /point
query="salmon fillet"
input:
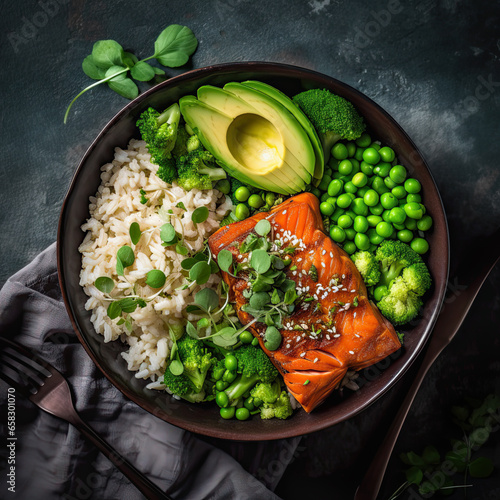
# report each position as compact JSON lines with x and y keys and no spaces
{"x":346,"y":336}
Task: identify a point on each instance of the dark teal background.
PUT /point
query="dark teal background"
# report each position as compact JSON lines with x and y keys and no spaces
{"x":433,"y":65}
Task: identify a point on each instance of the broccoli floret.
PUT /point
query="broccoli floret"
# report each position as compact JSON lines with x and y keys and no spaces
{"x":332,"y":116}
{"x":167,"y":170}
{"x":181,"y":386}
{"x":405,"y":279}
{"x":197,"y":170}
{"x":253,"y":367}
{"x":401,"y":305}
{"x":368,"y":267}
{"x":160,"y":130}
{"x":267,"y":393}
{"x":180,"y":147}
{"x":197,"y":360}
{"x":281,"y":408}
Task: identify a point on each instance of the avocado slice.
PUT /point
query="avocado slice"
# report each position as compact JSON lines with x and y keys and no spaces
{"x":294,"y":136}
{"x":219,"y":134}
{"x":301,"y":118}
{"x":251,"y":127}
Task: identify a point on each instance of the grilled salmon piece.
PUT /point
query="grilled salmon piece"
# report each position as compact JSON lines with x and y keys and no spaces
{"x":336,"y":328}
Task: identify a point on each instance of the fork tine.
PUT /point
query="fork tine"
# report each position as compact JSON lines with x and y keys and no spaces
{"x":31,"y":384}
{"x":29,"y":363}
{"x":12,"y":383}
{"x":21,"y":350}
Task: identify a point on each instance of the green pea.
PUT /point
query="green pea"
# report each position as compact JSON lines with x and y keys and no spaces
{"x":350,"y":233}
{"x":360,"y":224}
{"x":324,"y":197}
{"x":349,"y":187}
{"x":374,"y":237}
{"x":246,"y":337}
{"x":399,"y":192}
{"x":350,"y":247}
{"x":316,"y":192}
{"x":339,"y":151}
{"x":386,"y":215}
{"x":398,"y":227}
{"x":389,"y":183}
{"x":364,"y":140}
{"x":397,"y":215}
{"x":388,"y":201}
{"x":227,"y":413}
{"x":359,"y":207}
{"x":359,"y":154}
{"x":383,"y":169}
{"x":249,"y":404}
{"x":412,"y":186}
{"x":351,"y":148}
{"x":326,"y":209}
{"x":351,"y":213}
{"x":360,"y":179}
{"x":414,"y":197}
{"x":375,"y":145}
{"x":380,"y":292}
{"x":242,"y":414}
{"x":345,"y":221}
{"x":379,"y":185}
{"x":242,"y":193}
{"x":255,"y":342}
{"x":362,"y":191}
{"x":362,"y":241}
{"x":220,"y":385}
{"x":325,"y":181}
{"x":420,"y":245}
{"x":414,"y":210}
{"x":410,"y":224}
{"x":384,"y":229}
{"x":371,"y":198}
{"x":344,"y":200}
{"x":371,"y":156}
{"x":337,"y":234}
{"x":387,"y":154}
{"x":366,"y":168}
{"x":255,"y":201}
{"x":398,"y":174}
{"x":218,"y":372}
{"x":332,"y":200}
{"x":425,"y":223}
{"x":224,"y":186}
{"x":241,"y":211}
{"x":229,"y":376}
{"x":335,"y":216}
{"x":345,"y":167}
{"x":405,"y":235}
{"x":355,"y":166}
{"x":378,"y":209}
{"x":272,"y":338}
{"x":231,"y":363}
{"x":222,"y":399}
{"x":373,"y":220}
{"x":335,"y":187}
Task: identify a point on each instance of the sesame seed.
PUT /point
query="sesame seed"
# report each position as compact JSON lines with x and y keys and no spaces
{"x":302,"y":354}
{"x":323,"y":264}
{"x":334,"y":329}
{"x":311,"y":251}
{"x":331,"y":255}
{"x":356,"y":335}
{"x":284,"y":212}
{"x":221,"y":245}
{"x":294,"y":273}
{"x":288,"y":346}
{"x":351,"y":352}
{"x":352,"y":291}
{"x":354,"y":315}
{"x":343,"y":276}
{"x":316,"y":360}
{"x":327,"y":337}
{"x":299,"y":259}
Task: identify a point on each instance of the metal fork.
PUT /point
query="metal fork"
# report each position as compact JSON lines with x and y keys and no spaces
{"x":48,"y":389}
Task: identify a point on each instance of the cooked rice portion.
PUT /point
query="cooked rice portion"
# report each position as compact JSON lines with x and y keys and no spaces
{"x":115,"y":207}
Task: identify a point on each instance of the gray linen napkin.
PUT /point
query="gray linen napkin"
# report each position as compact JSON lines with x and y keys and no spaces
{"x":53,"y":461}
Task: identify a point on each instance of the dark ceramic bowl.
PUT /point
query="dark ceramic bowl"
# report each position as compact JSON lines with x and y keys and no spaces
{"x":204,"y":418}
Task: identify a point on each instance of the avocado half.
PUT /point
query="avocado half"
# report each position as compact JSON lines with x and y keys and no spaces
{"x":253,"y":136}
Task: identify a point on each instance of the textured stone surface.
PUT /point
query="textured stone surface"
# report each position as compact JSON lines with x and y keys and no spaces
{"x":433,"y":65}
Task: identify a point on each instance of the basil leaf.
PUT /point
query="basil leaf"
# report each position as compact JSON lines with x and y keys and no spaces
{"x":158,"y":71}
{"x":200,"y":215}
{"x":176,"y":367}
{"x":200,"y":273}
{"x":142,"y":71}
{"x":135,"y":232}
{"x":129,"y":59}
{"x":107,"y":53}
{"x":174,"y":45}
{"x":225,"y":259}
{"x":207,"y":299}
{"x":125,"y":87}
{"x":104,"y":284}
{"x":263,"y":227}
{"x":91,"y":69}
{"x":155,"y":278}
{"x":114,"y":310}
{"x":125,"y":255}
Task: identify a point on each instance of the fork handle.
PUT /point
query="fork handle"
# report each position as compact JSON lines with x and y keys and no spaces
{"x":449,"y":321}
{"x":142,"y":483}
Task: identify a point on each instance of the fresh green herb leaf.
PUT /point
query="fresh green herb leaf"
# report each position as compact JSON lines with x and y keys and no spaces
{"x":128,"y":324}
{"x":107,"y":53}
{"x":120,"y":321}
{"x":272,"y":338}
{"x":176,"y":367}
{"x":135,"y":232}
{"x":200,"y":273}
{"x":207,"y":299}
{"x":481,"y":467}
{"x":114,"y":310}
{"x":200,"y":215}
{"x":124,"y":86}
{"x":431,"y":455}
{"x":181,"y":249}
{"x":306,"y":382}
{"x":144,"y":200}
{"x":142,"y":71}
{"x":130,"y":59}
{"x":259,"y":300}
{"x":290,"y":297}
{"x":174,"y":46}
{"x":119,"y":267}
{"x":155,"y":278}
{"x":128,"y":304}
{"x":203,"y":323}
{"x":181,"y":205}
{"x":124,"y":258}
{"x":313,"y":273}
{"x":191,"y":330}
{"x":91,"y":69}
{"x":188,"y":263}
{"x":263,"y":227}
{"x":104,"y":284}
{"x":260,"y":261}
{"x":225,"y":260}
{"x":158,"y":71}
{"x":168,"y":234}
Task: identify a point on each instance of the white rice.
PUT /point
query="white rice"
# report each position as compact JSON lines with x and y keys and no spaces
{"x":114,"y":208}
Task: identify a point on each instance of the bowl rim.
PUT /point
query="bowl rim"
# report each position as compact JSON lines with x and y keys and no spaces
{"x":289,"y":71}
